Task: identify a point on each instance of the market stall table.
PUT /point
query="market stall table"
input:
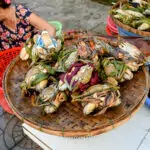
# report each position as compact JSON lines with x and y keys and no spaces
{"x":134,"y":135}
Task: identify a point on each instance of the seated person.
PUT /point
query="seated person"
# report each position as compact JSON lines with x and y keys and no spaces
{"x":18,"y":24}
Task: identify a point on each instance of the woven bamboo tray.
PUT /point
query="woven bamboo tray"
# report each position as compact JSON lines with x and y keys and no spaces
{"x":69,"y":120}
{"x":126,"y":27}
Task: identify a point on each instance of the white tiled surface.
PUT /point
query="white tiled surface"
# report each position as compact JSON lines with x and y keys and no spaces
{"x":133,"y":135}
{"x":146,"y":142}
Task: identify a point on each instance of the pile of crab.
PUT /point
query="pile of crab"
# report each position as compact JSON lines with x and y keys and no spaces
{"x":88,"y":72}
{"x":135,"y":13}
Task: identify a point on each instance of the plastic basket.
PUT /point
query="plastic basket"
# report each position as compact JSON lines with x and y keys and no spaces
{"x":5,"y":58}
{"x":108,"y":31}
{"x":4,"y":103}
{"x":124,"y":26}
{"x":123,"y":32}
{"x":58,"y":26}
{"x":112,"y":25}
{"x":111,"y":28}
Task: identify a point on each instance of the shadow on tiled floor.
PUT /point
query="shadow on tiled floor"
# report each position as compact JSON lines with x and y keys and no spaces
{"x":11,"y":134}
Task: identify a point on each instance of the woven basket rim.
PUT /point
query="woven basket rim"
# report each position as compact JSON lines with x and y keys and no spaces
{"x":124,"y":26}
{"x":77,"y":133}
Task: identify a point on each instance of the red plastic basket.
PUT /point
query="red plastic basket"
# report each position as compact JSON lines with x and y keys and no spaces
{"x":108,"y":31}
{"x":4,"y":103}
{"x":5,"y":58}
{"x":111,"y":28}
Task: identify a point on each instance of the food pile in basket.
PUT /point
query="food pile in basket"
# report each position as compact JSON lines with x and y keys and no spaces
{"x":88,"y":72}
{"x":134,"y":13}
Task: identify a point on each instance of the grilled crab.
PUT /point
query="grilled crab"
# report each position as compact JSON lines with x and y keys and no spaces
{"x":42,"y":47}
{"x":25,"y":53}
{"x":87,"y":49}
{"x":48,"y":93}
{"x":116,"y":69}
{"x":98,"y":98}
{"x":65,"y":59}
{"x":93,"y":46}
{"x":125,"y":52}
{"x":131,"y":56}
{"x":84,"y":51}
{"x":37,"y":78}
{"x":50,"y":98}
{"x":55,"y":104}
{"x":79,"y":76}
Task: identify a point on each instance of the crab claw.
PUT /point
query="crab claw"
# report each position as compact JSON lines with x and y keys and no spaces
{"x":89,"y":108}
{"x":133,"y":65}
{"x":54,"y":105}
{"x":132,"y":50}
{"x":62,"y":86}
{"x":23,"y":54}
{"x":128,"y":75}
{"x":112,"y":81}
{"x":41,"y":85}
{"x":50,"y":109}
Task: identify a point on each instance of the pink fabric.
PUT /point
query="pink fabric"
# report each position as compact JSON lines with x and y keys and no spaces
{"x":8,"y":1}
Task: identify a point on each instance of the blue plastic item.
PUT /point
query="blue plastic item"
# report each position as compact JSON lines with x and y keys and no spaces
{"x":39,"y":42}
{"x":123,"y":32}
{"x":147,"y":102}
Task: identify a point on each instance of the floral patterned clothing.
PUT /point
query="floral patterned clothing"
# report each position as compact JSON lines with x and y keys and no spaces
{"x":24,"y":31}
